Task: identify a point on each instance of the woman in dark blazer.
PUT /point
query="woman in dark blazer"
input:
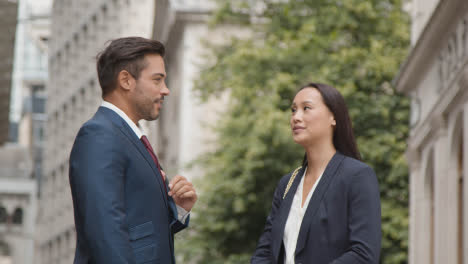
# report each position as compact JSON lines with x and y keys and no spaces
{"x":327,"y":210}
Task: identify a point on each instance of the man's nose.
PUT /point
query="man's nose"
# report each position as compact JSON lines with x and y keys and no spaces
{"x":165,"y":91}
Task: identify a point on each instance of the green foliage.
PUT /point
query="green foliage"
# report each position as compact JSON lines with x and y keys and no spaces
{"x":354,"y":45}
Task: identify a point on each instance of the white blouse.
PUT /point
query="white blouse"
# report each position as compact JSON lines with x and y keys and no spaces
{"x":293,"y":224}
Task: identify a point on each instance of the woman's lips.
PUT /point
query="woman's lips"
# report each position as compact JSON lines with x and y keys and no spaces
{"x":297,"y":129}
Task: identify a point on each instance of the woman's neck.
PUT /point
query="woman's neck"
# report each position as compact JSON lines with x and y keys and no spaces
{"x":318,"y":158}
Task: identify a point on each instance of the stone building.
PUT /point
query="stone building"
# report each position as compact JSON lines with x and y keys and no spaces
{"x":17,"y":205}
{"x":20,"y":159}
{"x":8,"y":14}
{"x":182,"y":132}
{"x":79,"y":31}
{"x":435,"y":77}
{"x":30,"y":78}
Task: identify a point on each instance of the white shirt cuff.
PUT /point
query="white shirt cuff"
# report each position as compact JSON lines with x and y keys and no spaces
{"x":182,"y":214}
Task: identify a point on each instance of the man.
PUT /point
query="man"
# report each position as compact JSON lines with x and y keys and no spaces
{"x":124,"y":210}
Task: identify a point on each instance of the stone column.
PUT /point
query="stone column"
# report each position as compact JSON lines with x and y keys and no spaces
{"x":465,"y":185}
{"x":423,"y":202}
{"x":451,"y":182}
{"x":414,"y":161}
{"x":443,"y":226}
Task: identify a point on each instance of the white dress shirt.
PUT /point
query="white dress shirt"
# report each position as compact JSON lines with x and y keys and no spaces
{"x":181,"y":212}
{"x":296,"y":214}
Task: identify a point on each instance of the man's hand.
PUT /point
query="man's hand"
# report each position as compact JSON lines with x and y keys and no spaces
{"x":182,"y":192}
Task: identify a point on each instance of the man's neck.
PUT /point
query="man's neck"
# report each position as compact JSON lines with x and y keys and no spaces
{"x":122,"y":105}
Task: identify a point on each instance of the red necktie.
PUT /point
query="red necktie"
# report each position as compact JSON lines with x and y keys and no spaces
{"x":148,"y":147}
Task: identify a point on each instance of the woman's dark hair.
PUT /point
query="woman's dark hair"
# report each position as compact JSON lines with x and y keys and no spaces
{"x":124,"y":54}
{"x":343,"y":136}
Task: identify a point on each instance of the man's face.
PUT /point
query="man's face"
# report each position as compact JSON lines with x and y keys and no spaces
{"x":150,"y":88}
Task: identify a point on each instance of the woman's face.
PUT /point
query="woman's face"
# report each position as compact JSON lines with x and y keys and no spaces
{"x":311,"y":120}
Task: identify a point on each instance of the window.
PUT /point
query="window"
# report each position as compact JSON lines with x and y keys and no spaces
{"x":3,"y":215}
{"x":4,"y":249}
{"x":38,"y":104}
{"x":18,"y":216}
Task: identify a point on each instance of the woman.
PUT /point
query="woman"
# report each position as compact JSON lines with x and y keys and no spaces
{"x":327,"y":210}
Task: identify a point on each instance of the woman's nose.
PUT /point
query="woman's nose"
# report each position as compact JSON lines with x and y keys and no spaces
{"x":296,"y":117}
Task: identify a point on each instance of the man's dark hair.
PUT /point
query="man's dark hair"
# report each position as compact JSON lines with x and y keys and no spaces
{"x":124,"y":54}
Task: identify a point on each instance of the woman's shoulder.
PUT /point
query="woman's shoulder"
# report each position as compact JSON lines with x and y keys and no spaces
{"x":283,"y":182}
{"x":353,"y":165}
{"x":355,"y":168}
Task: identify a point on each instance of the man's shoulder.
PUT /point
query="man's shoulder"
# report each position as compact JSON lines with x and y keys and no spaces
{"x":98,"y":135}
{"x":99,"y":126}
{"x":101,"y":120}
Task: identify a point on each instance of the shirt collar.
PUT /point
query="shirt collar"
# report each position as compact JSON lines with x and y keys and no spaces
{"x":125,"y":117}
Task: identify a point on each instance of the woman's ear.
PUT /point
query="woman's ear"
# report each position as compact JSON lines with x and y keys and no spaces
{"x":333,"y":121}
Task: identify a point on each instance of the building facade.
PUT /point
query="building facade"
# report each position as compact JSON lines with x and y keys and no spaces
{"x":435,"y":77}
{"x":183,"y":132}
{"x":20,"y":159}
{"x":30,"y":53}
{"x":8,"y":16}
{"x":18,"y":205}
{"x":30,"y":78}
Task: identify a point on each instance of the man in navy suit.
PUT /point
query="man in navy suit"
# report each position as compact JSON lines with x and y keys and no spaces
{"x":124,"y":210}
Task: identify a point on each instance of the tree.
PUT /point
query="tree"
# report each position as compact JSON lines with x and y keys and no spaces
{"x":354,"y":45}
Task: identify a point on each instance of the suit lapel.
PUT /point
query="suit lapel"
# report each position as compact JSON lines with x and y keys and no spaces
{"x":283,"y":214}
{"x":316,"y":198}
{"x":128,"y":132}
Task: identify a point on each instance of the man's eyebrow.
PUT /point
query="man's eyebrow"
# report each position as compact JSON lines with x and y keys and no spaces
{"x":158,"y":75}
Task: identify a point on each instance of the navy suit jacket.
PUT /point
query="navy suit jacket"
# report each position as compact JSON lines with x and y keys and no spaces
{"x":341,"y":223}
{"x":122,"y":213}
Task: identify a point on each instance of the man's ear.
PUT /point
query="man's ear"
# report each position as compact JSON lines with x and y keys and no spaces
{"x":125,"y":80}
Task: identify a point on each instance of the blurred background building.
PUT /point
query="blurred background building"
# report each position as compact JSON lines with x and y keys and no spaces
{"x":18,"y":205}
{"x":24,"y":73}
{"x":8,"y":14}
{"x":435,"y":77}
{"x":183,"y":131}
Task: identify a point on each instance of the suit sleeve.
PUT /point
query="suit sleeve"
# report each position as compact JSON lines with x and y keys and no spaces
{"x":364,"y":219}
{"x":176,"y":225}
{"x":97,"y":176}
{"x":263,"y":254}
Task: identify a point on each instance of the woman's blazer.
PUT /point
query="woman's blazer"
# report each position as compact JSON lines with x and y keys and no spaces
{"x":341,"y":223}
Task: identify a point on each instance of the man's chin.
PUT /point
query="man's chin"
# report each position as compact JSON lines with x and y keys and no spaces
{"x":152,"y":118}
